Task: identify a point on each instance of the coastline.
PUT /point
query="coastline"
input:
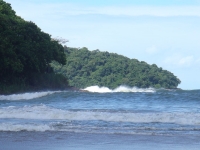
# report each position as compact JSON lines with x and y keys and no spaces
{"x":66,"y":88}
{"x":32,"y":90}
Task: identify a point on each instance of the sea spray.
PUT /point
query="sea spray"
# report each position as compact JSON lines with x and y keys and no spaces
{"x":98,"y":89}
{"x":25,"y":127}
{"x":26,"y":96}
{"x":164,"y":112}
{"x":43,"y":112}
{"x":122,"y":88}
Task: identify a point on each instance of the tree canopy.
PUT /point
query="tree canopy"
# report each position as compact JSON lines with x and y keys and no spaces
{"x":28,"y":54}
{"x":86,"y":68}
{"x":24,"y":48}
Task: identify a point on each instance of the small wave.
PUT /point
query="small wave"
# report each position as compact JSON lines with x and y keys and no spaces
{"x":97,"y":89}
{"x":26,"y":96}
{"x":107,"y":129}
{"x":43,"y":112}
{"x":24,"y":127}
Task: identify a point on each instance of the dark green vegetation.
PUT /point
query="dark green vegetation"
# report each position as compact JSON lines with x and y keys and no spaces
{"x":85,"y":68}
{"x":25,"y":55}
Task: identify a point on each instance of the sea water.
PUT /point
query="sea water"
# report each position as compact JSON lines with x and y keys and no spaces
{"x":101,"y":118}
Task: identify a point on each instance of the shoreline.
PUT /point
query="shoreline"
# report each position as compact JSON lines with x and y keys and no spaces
{"x":85,"y":141}
{"x":67,"y":88}
{"x":33,"y":90}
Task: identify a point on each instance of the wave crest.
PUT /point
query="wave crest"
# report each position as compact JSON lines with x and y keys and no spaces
{"x":24,"y":127}
{"x":26,"y":96}
{"x":43,"y":112}
{"x":122,"y":88}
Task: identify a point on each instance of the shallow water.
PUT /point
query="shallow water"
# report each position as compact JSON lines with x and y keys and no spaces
{"x":84,"y":141}
{"x":124,"y":118}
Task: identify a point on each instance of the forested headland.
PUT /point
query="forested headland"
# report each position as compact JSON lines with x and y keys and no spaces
{"x":25,"y":55}
{"x":30,"y":60}
{"x":86,"y":68}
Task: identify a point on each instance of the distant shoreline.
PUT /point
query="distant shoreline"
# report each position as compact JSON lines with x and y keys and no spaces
{"x":29,"y":90}
{"x":67,"y":88}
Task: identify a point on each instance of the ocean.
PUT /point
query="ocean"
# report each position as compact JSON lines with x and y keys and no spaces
{"x":100,"y":118}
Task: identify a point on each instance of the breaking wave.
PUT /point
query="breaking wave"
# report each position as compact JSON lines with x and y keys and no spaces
{"x":70,"y":127}
{"x":24,"y":127}
{"x":97,"y":89}
{"x":43,"y":112}
{"x":26,"y":96}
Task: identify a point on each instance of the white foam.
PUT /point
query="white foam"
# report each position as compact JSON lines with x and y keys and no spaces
{"x":43,"y":112}
{"x":122,"y":88}
{"x":59,"y":126}
{"x":98,"y":89}
{"x":26,"y":96}
{"x":24,"y":127}
{"x":133,"y":89}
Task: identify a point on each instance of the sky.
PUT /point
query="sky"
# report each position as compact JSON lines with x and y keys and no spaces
{"x":165,"y":33}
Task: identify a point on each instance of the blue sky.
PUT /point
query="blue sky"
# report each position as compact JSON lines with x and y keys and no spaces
{"x":120,"y":2}
{"x":165,"y":33}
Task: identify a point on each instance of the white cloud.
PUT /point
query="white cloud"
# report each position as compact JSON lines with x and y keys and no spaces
{"x":74,"y":9}
{"x":198,"y":61}
{"x":122,"y":30}
{"x":178,"y":60}
{"x":152,"y":50}
{"x":160,"y":11}
{"x":186,"y":60}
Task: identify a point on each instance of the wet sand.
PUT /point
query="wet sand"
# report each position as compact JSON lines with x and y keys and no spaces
{"x":81,"y":141}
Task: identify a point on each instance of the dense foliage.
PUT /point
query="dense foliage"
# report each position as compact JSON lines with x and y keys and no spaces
{"x":26,"y":54}
{"x":25,"y":51}
{"x":85,"y":68}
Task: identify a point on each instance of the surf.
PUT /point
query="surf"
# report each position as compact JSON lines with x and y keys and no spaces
{"x":43,"y":112}
{"x":26,"y":96}
{"x":122,"y":88}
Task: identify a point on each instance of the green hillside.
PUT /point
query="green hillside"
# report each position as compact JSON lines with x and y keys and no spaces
{"x":25,"y":54}
{"x":86,"y":68}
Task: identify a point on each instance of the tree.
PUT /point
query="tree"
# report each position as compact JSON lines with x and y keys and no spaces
{"x":86,"y":68}
{"x":24,"y":48}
